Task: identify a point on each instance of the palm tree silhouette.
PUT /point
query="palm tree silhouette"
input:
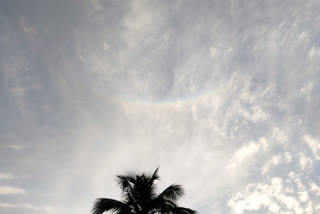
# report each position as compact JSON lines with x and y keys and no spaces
{"x":139,"y":197}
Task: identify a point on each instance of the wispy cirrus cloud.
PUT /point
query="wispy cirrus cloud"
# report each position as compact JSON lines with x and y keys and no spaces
{"x":10,"y":190}
{"x":26,"y":206}
{"x":15,"y":147}
{"x":6,"y":176}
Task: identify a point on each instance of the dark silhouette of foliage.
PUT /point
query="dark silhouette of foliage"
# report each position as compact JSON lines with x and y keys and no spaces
{"x":139,"y":196}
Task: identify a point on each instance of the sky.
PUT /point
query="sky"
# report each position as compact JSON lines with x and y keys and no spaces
{"x":222,"y":95}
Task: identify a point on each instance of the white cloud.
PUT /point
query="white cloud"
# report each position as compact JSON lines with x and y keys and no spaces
{"x":274,"y":208}
{"x":314,"y":188}
{"x":214,"y":52}
{"x":314,"y":145}
{"x":287,"y":157}
{"x":271,"y":196}
{"x":305,"y":162}
{"x":26,"y":206}
{"x":19,"y":92}
{"x":105,"y":46}
{"x":255,"y":115}
{"x":9,"y":190}
{"x":6,"y":176}
{"x":247,"y":152}
{"x":25,"y":27}
{"x":141,"y":22}
{"x":314,"y":51}
{"x":306,"y":90}
{"x":221,"y":53}
{"x":275,"y":160}
{"x":15,"y":147}
{"x":279,"y":135}
{"x":303,"y":196}
{"x":13,"y":70}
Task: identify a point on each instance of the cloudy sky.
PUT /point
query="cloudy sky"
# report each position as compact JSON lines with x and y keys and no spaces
{"x":223,"y":95}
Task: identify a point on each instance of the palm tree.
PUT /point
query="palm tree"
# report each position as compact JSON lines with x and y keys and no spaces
{"x":139,"y":196}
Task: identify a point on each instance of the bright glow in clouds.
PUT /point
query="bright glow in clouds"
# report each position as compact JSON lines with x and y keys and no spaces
{"x":223,"y":95}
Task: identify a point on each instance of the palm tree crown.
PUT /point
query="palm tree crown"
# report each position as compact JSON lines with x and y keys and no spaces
{"x":139,"y":196}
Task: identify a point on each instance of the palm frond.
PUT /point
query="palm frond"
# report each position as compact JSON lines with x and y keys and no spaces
{"x":152,"y":185}
{"x":182,"y":210}
{"x":172,"y":192}
{"x":165,"y":206}
{"x":139,"y":195}
{"x":105,"y":204}
{"x":125,"y":181}
{"x":131,"y":201}
{"x":154,"y":176}
{"x":160,"y":205}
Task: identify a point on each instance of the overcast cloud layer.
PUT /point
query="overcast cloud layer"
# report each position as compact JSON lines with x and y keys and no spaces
{"x":223,"y":95}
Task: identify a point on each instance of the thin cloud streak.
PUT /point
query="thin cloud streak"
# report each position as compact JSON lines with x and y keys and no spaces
{"x":26,"y":206}
{"x":6,"y":176}
{"x":9,"y":190}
